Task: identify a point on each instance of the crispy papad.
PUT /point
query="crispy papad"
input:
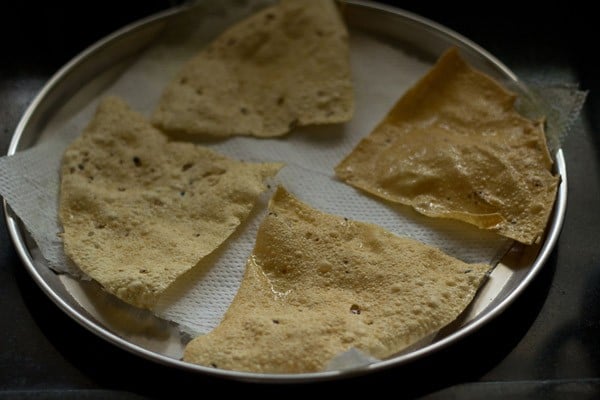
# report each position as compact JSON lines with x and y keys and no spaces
{"x":455,"y":147}
{"x":139,"y":210}
{"x":318,"y":284}
{"x":284,"y":66}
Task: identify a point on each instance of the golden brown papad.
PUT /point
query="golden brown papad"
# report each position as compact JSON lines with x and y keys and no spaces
{"x":138,"y":210}
{"x":453,"y":146}
{"x":286,"y":65}
{"x":318,"y":284}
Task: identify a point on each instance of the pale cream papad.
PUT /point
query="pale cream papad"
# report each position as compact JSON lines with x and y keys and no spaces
{"x":284,"y":66}
{"x":318,"y":284}
{"x":454,"y":146}
{"x":139,"y":210}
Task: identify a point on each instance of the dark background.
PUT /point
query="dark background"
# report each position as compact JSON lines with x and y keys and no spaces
{"x":546,"y":345}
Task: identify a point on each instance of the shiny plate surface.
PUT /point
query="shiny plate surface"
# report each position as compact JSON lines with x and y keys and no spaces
{"x":163,"y":343}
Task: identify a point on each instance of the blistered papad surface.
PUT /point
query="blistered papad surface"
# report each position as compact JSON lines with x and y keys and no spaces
{"x":284,"y":66}
{"x":138,"y":210}
{"x":454,"y":147}
{"x":319,"y":284}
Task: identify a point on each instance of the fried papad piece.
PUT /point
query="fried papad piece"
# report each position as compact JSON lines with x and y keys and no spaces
{"x":139,"y":210}
{"x":317,"y":285}
{"x":284,"y":66}
{"x":455,"y":147}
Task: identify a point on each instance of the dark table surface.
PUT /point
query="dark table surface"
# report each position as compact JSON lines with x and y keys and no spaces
{"x":545,"y":345}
